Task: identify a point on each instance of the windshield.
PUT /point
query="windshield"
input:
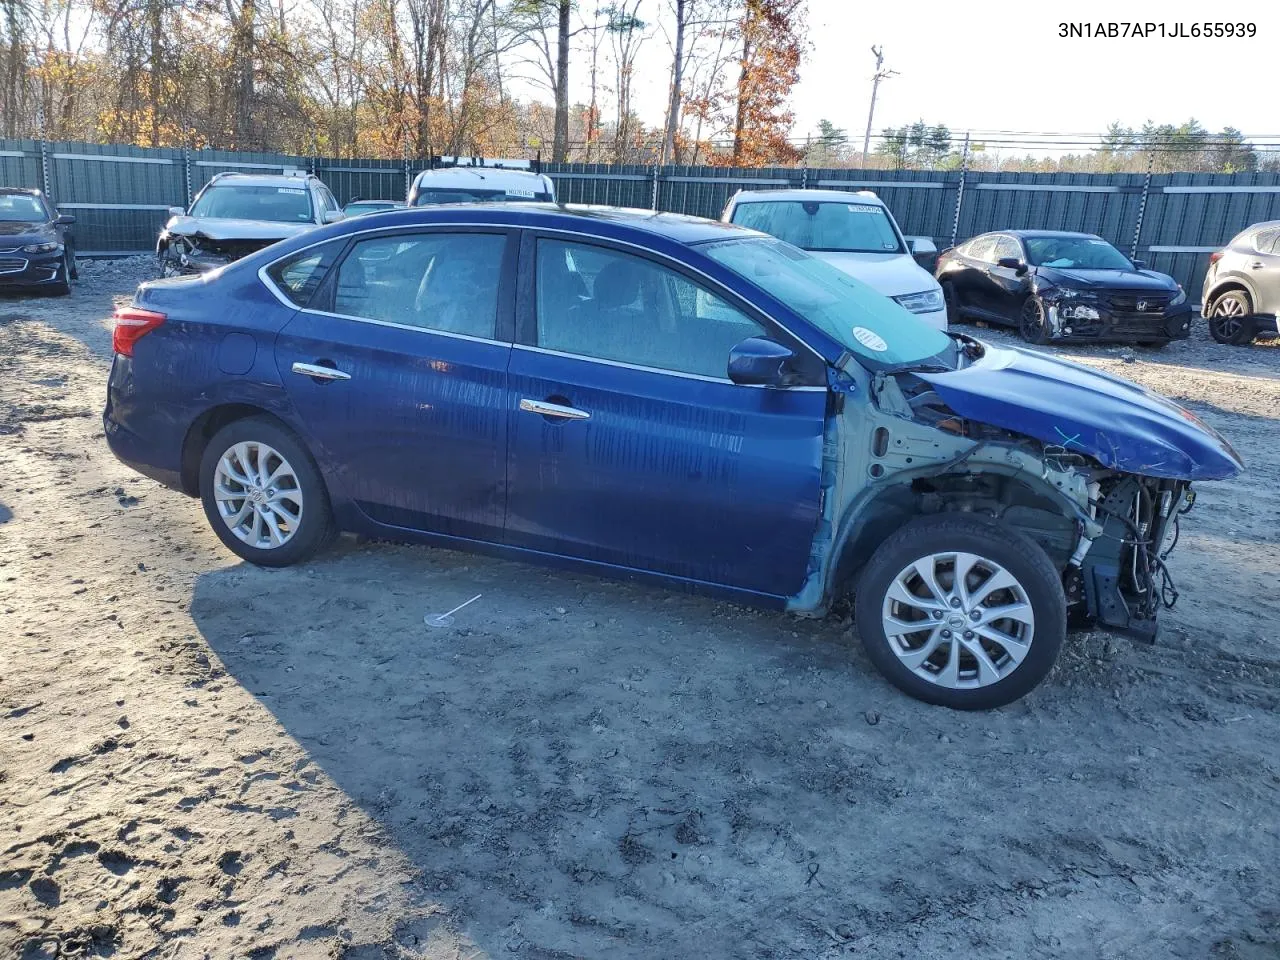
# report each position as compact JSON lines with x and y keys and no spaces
{"x":22,"y":207}
{"x":243,"y":202}
{"x":1082,"y":253}
{"x":426,"y":198}
{"x":823,"y":225}
{"x":869,"y":325}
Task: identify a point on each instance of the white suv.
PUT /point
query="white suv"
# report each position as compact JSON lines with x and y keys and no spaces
{"x":854,"y":232}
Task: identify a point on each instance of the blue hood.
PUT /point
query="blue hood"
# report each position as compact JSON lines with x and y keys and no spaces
{"x":1120,"y":424}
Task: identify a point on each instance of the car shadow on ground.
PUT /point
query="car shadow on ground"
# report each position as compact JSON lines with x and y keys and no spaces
{"x":582,"y":767}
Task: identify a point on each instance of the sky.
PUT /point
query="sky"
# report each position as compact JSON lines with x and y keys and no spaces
{"x":1000,"y":65}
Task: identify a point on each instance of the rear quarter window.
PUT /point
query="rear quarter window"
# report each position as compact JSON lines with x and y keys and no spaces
{"x":299,"y":276}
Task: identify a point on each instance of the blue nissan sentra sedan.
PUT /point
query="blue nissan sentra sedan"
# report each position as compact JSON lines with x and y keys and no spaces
{"x":654,"y":395}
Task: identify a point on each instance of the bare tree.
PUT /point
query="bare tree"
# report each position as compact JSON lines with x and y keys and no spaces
{"x":627,"y":33}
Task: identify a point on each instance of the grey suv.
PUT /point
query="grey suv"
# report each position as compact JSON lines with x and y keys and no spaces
{"x":236,"y":214}
{"x":1242,"y":288}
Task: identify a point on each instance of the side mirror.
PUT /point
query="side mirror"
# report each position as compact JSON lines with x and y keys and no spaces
{"x":1139,"y":264}
{"x":1012,"y":263}
{"x":64,"y":220}
{"x":177,"y":212}
{"x":921,"y":245}
{"x":759,"y":361}
{"x":333,"y":216}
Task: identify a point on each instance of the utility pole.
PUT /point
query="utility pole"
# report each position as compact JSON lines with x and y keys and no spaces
{"x":880,"y":74}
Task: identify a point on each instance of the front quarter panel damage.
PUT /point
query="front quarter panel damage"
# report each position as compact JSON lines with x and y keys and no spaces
{"x":881,"y":468}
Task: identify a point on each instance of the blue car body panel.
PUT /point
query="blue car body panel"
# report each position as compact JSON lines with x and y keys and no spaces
{"x":1118,"y":423}
{"x":417,"y":438}
{"x":683,"y":476}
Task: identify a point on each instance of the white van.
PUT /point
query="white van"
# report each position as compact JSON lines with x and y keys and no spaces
{"x":852,"y":231}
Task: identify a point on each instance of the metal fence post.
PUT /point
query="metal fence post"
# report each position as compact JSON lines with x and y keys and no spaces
{"x":186,"y":172}
{"x":964,"y":169}
{"x":653,"y":205}
{"x":44,"y":167}
{"x":1142,"y":207}
{"x":406,"y":170}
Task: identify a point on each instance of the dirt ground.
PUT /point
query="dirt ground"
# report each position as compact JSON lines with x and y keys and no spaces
{"x":203,"y":759}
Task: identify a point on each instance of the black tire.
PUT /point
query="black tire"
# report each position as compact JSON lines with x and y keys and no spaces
{"x":315,"y":527}
{"x":995,"y":543}
{"x":1033,"y":325}
{"x":75,"y":266}
{"x":1231,"y":318}
{"x":952,"y":304}
{"x":62,"y":287}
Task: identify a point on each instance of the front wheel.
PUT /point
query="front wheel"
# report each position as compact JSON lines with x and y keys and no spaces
{"x":263,"y":495}
{"x":1033,"y":323}
{"x":62,"y":282}
{"x":949,"y":300}
{"x":961,"y":611}
{"x":1229,"y":318}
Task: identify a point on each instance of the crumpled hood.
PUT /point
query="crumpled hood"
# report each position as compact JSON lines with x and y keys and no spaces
{"x":218,"y":229}
{"x":889,"y":274}
{"x":21,"y":232}
{"x":1109,"y":279}
{"x":1120,"y":424}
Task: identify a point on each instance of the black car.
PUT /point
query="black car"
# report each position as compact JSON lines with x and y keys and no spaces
{"x":1055,"y":285}
{"x":36,"y":248}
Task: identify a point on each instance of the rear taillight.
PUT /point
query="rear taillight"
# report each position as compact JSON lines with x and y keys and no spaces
{"x":132,"y":324}
{"x":1215,"y":256}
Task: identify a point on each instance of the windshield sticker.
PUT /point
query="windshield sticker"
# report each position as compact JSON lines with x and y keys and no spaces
{"x":1098,"y":243}
{"x":862,"y":208}
{"x":513,"y":192}
{"x":294,"y":190}
{"x":870,"y":339}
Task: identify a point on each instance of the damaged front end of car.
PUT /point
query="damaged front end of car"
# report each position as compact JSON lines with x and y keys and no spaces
{"x":197,"y":252}
{"x":1095,"y":470}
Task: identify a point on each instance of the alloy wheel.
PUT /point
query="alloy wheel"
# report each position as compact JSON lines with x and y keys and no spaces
{"x":958,"y":620}
{"x":1031,"y":321}
{"x":258,"y":495}
{"x":1228,"y":315}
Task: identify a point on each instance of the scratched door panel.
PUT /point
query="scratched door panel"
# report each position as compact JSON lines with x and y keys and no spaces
{"x":677,"y":475}
{"x":417,"y":436}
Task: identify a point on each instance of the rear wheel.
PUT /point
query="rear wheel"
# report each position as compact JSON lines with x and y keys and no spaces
{"x":263,"y":495}
{"x":961,"y":611}
{"x":1033,"y":324}
{"x":1229,"y":318}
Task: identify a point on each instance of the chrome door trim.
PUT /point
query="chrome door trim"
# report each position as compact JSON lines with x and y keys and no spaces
{"x":319,"y":372}
{"x":810,"y":388}
{"x":558,"y":410}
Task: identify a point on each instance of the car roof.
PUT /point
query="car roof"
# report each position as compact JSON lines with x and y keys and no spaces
{"x":23,"y":191}
{"x":599,"y":221}
{"x":837,"y":196}
{"x":299,"y":181}
{"x":494,"y":177}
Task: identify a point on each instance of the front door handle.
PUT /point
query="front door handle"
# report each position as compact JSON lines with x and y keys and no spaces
{"x":558,"y":410}
{"x":320,"y":372}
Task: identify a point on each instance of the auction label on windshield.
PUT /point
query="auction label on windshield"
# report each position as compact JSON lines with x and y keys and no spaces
{"x":1123,"y":29}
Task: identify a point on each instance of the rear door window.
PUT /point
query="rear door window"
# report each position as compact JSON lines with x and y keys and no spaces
{"x":445,"y":282}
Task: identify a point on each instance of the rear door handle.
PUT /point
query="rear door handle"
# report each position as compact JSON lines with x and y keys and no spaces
{"x":1257,"y":265}
{"x":553,"y":410}
{"x":320,"y":372}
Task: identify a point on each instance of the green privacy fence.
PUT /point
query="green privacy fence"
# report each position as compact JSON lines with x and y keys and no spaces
{"x":120,"y":195}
